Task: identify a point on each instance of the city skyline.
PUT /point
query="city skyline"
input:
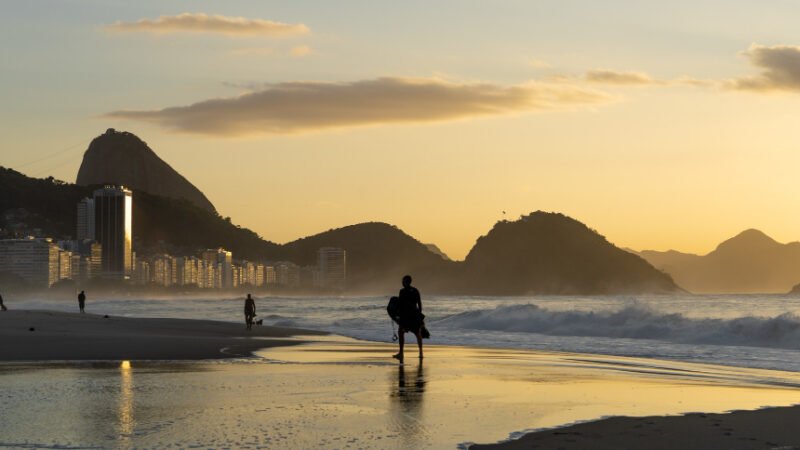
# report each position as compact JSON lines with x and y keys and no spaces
{"x":665,"y":130}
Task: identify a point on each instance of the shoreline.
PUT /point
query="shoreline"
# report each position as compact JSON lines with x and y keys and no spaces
{"x":764,"y":428}
{"x":574,"y":401}
{"x":37,"y":335}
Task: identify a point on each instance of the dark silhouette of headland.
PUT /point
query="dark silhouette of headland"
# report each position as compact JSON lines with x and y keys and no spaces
{"x":750,"y":262}
{"x":540,"y":253}
{"x":121,"y":158}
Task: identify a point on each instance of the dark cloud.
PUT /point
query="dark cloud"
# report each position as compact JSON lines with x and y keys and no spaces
{"x":308,"y":106}
{"x":780,"y":69}
{"x":204,"y":23}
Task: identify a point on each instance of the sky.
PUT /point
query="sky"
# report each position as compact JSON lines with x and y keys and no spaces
{"x":663,"y":125}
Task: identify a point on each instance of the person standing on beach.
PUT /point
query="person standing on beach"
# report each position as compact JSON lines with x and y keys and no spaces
{"x":2,"y":306}
{"x":249,"y":311}
{"x":81,"y":301}
{"x":410,"y":312}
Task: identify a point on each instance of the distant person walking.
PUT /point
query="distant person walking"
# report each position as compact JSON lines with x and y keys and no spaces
{"x":81,"y":301}
{"x":249,"y":311}
{"x":2,"y":306}
{"x":410,"y":316}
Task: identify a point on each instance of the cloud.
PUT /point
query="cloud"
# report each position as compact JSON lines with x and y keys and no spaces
{"x":204,"y":23}
{"x":300,"y":51}
{"x":612,"y":77}
{"x":298,"y":107}
{"x":780,"y":69}
{"x":605,"y":76}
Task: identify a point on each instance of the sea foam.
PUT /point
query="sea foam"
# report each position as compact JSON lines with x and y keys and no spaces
{"x":634,"y":322}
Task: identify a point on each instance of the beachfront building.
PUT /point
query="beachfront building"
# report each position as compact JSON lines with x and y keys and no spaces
{"x":87,"y":258}
{"x":332,"y":266}
{"x":34,"y":260}
{"x":141,"y":274}
{"x":287,"y":274}
{"x":113,"y":227}
{"x":164,"y":270}
{"x":187,"y":268}
{"x":85,"y":225}
{"x":222,"y":260}
{"x":259,"y":281}
{"x":64,"y":265}
{"x":270,"y":277}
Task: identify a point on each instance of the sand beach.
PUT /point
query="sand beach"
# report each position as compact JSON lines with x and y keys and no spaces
{"x":53,"y":335}
{"x":205,"y":383}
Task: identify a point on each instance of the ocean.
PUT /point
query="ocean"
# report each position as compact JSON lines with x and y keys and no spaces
{"x":757,"y":331}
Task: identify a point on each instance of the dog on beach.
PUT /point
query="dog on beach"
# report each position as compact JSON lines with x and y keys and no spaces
{"x":260,"y":322}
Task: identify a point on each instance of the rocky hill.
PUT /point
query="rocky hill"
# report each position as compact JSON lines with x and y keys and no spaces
{"x":542,"y":253}
{"x":378,"y":255}
{"x":122,"y":158}
{"x":750,"y":262}
{"x":549,"y":253}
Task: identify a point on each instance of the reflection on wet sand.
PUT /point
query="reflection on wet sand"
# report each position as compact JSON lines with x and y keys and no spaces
{"x":125,"y":417}
{"x":351,"y":394}
{"x":407,"y":416}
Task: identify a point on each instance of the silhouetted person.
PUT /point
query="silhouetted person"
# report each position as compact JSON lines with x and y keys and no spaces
{"x":2,"y":306}
{"x":249,"y":311}
{"x":410,"y":312}
{"x":81,"y":300}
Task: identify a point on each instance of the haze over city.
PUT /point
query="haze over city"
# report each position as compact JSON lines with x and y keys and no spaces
{"x":664,"y":126}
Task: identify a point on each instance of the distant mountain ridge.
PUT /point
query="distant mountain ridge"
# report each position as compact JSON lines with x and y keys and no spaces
{"x":542,"y":253}
{"x":119,"y":157}
{"x":750,"y":262}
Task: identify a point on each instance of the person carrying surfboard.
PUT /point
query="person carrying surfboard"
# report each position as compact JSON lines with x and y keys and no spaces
{"x":410,"y":318}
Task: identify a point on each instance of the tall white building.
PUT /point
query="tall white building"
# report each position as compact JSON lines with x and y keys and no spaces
{"x":37,"y":261}
{"x":332,"y":266}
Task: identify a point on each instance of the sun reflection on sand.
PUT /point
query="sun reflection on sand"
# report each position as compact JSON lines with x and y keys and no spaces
{"x":407,"y":416}
{"x":125,"y":417}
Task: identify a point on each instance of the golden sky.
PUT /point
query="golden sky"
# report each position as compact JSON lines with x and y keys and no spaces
{"x":661,"y":126}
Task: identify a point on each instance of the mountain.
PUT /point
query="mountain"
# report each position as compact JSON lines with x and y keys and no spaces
{"x":119,"y":157}
{"x":378,"y":255}
{"x":750,"y":262}
{"x":159,"y":223}
{"x":795,"y":290}
{"x":435,"y":249}
{"x":44,"y":203}
{"x":544,"y":253}
{"x":550,"y":253}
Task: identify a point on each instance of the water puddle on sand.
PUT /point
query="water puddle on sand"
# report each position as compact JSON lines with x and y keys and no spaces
{"x":341,"y":393}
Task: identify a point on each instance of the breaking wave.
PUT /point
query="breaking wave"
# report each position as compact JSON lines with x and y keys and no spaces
{"x":634,"y":322}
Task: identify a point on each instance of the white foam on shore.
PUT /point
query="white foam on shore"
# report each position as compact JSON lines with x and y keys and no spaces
{"x":634,"y":322}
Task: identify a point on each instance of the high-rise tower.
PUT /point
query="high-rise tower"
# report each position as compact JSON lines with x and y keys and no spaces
{"x":113,"y":227}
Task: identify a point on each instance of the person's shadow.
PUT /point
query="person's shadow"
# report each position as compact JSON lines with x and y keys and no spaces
{"x":407,"y":396}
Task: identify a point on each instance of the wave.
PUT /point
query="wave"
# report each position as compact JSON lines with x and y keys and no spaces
{"x":633,"y":322}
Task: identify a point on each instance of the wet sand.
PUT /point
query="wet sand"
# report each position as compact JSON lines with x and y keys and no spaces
{"x":330,"y":391}
{"x":463,"y":396}
{"x":72,"y":336}
{"x":774,"y":428}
